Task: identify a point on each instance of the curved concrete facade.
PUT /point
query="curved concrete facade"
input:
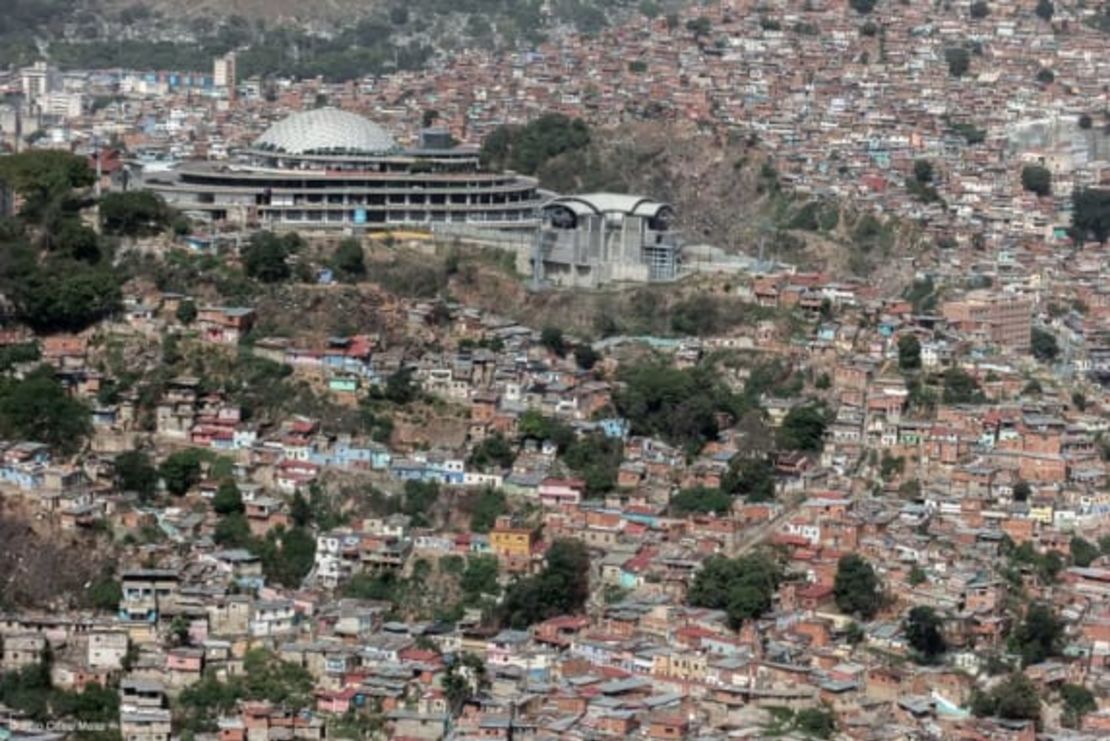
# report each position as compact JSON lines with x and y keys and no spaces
{"x":324,"y":183}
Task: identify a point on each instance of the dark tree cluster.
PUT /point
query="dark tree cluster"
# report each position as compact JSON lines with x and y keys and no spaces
{"x":1036,"y":179}
{"x":53,"y":269}
{"x":857,"y":588}
{"x":743,"y":587}
{"x":1090,"y":217}
{"x":526,"y":148}
{"x":37,"y":408}
{"x":681,"y":406}
{"x":134,"y":214}
{"x":266,"y":256}
{"x":561,"y":588}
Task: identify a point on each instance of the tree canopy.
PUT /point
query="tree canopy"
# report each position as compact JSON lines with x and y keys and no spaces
{"x":1044,"y":346}
{"x":562,"y":587}
{"x":135,"y":472}
{"x":803,"y":429}
{"x":526,"y":148}
{"x":46,"y":178}
{"x":700,"y":500}
{"x":743,"y":587}
{"x":857,"y":588}
{"x":1039,"y":636}
{"x":1015,"y":698}
{"x":180,"y":471}
{"x":923,"y":632}
{"x":751,"y":478}
{"x":909,"y":352}
{"x":1036,"y":179}
{"x":37,"y":408}
{"x":958,"y":60}
{"x":348,"y":261}
{"x":266,"y":256}
{"x":489,"y":505}
{"x":678,"y":405}
{"x":227,"y":499}
{"x":1090,"y":216}
{"x":134,"y":213}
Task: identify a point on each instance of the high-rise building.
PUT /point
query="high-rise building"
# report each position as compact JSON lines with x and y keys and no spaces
{"x":999,"y":318}
{"x":39,"y":80}
{"x":224,"y":74}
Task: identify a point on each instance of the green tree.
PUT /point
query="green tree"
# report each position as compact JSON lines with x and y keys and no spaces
{"x":38,"y":408}
{"x":701,"y":500}
{"x":857,"y":588}
{"x":1044,"y":346}
{"x":743,"y":587}
{"x":1083,"y":552}
{"x":135,"y":472}
{"x":78,"y":242}
{"x":923,"y":171}
{"x":1015,"y":698}
{"x":526,"y":149}
{"x":700,"y":26}
{"x":479,"y":578}
{"x":909,"y":353}
{"x":1090,"y":216}
{"x":816,"y":722}
{"x":463,"y":680}
{"x":562,"y":587}
{"x":960,"y":387}
{"x":58,"y":293}
{"x":958,"y":60}
{"x":862,"y":6}
{"x":552,"y":339}
{"x":180,"y":471}
{"x":135,"y":213}
{"x":1078,"y":701}
{"x":400,"y":388}
{"x":596,"y":459}
{"x":299,"y":510}
{"x":287,"y":556}
{"x":1039,"y":636}
{"x":233,"y":531}
{"x":186,"y":312}
{"x":418,"y":499}
{"x":490,"y":505}
{"x":980,"y":10}
{"x":803,"y":429}
{"x":227,"y":500}
{"x":266,"y":256}
{"x":751,"y":478}
{"x":493,"y":452}
{"x":1021,"y":491}
{"x":105,"y":594}
{"x":46,"y":178}
{"x":533,"y":425}
{"x":585,"y":356}
{"x":1036,"y":179}
{"x":348,"y":262}
{"x":1045,"y":10}
{"x":923,"y":633}
{"x":916,"y":576}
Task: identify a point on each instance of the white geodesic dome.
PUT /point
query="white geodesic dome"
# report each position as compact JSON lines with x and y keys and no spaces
{"x":324,"y":131}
